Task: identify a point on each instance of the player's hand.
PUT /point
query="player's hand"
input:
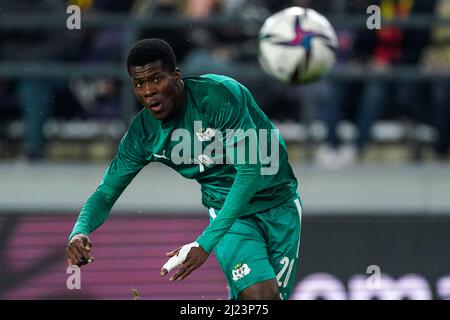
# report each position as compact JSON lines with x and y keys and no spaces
{"x":78,"y":250}
{"x":194,"y":259}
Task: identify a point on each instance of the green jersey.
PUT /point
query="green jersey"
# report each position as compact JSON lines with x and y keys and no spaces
{"x":222,"y":139}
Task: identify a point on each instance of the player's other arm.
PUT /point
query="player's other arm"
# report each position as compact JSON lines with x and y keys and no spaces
{"x":233,"y":114}
{"x":245,"y":185}
{"x":241,"y":138}
{"x":120,"y":172}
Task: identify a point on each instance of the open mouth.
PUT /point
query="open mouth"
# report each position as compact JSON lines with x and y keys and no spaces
{"x":155,"y":107}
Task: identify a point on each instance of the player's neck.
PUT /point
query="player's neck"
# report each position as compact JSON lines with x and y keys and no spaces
{"x":179,"y":101}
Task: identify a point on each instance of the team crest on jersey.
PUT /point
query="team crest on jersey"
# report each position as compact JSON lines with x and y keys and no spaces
{"x":205,"y":134}
{"x":240,"y":270}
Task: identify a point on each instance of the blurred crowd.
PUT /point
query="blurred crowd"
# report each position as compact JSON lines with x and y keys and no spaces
{"x":216,"y":48}
{"x":423,"y":49}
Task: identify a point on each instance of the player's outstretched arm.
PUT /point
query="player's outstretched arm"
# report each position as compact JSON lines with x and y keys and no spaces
{"x":123,"y":168}
{"x":78,"y":250}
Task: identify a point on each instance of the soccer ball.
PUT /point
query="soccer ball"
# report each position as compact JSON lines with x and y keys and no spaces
{"x":297,"y":45}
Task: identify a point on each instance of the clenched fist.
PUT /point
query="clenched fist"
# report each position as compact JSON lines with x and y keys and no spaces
{"x":78,"y":250}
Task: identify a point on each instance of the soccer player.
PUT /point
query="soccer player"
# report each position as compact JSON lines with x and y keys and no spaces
{"x":199,"y":126}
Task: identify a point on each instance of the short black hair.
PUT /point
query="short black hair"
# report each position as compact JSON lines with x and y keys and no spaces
{"x":149,"y":50}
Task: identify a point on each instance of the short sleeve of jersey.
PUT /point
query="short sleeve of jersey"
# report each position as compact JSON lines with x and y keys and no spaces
{"x":227,"y":111}
{"x":227,"y":107}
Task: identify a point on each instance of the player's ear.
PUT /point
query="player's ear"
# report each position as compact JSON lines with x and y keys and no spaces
{"x":177,"y":74}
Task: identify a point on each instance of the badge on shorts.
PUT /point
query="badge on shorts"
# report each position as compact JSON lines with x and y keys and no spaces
{"x":240,"y":271}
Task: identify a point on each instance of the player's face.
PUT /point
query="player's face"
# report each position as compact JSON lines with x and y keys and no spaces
{"x":157,"y":89}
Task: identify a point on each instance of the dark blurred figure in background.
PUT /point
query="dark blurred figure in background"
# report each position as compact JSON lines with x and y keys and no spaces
{"x":34,"y":95}
{"x":379,"y":50}
{"x":180,"y":37}
{"x":8,"y":107}
{"x":45,"y":97}
{"x":331,"y":100}
{"x":436,"y":59}
{"x":100,"y":96}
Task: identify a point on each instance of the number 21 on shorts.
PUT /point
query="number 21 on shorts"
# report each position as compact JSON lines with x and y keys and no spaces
{"x":288,"y":265}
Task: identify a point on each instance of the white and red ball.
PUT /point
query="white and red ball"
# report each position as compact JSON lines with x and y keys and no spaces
{"x":297,"y":45}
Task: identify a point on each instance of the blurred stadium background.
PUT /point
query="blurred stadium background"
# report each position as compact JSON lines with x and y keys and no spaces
{"x":369,"y":144}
